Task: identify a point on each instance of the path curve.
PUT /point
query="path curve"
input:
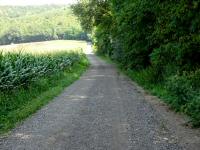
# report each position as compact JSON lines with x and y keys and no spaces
{"x":103,"y":110}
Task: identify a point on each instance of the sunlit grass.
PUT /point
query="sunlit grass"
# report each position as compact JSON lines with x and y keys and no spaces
{"x":45,"y":47}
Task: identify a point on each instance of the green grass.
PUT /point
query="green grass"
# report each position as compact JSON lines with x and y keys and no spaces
{"x":25,"y":101}
{"x":180,"y":96}
{"x":155,"y":89}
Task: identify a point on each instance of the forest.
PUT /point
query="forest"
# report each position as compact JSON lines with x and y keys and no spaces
{"x":21,"y":24}
{"x":156,"y":42}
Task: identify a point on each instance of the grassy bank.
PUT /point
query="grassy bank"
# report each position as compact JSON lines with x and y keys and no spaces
{"x":179,"y":92}
{"x":18,"y":102}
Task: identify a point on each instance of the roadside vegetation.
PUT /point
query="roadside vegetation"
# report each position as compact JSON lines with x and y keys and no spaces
{"x":157,"y":43}
{"x":20,"y":24}
{"x":29,"y":81}
{"x":32,"y":74}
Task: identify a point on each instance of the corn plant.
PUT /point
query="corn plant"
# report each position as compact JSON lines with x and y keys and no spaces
{"x":19,"y":70}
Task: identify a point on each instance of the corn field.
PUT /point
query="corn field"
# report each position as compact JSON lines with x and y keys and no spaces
{"x":19,"y":70}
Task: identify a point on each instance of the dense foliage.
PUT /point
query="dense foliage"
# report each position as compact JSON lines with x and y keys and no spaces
{"x":158,"y":38}
{"x":38,"y":23}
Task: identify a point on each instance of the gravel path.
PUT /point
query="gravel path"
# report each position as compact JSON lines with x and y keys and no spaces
{"x":103,"y":110}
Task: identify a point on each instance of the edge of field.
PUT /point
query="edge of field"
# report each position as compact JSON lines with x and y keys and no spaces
{"x":62,"y":81}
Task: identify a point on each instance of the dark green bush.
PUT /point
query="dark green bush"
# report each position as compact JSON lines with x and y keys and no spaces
{"x":192,"y":110}
{"x":195,"y":79}
{"x":180,"y":87}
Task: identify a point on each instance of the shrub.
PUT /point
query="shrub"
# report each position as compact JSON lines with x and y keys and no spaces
{"x":192,"y":110}
{"x":180,"y":87}
{"x":194,"y":78}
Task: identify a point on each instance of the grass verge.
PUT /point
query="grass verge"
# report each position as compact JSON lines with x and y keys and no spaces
{"x":180,"y":98}
{"x":26,"y":101}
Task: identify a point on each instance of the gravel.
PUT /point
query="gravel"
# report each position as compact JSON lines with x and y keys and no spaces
{"x":103,"y":110}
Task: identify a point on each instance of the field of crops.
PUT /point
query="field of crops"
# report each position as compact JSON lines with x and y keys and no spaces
{"x":17,"y":70}
{"x":29,"y":79}
{"x":44,"y":47}
{"x":21,"y":64}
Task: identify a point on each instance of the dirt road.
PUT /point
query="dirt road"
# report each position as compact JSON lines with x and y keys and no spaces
{"x":103,"y":110}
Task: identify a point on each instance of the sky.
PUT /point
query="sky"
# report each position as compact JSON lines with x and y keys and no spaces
{"x":35,"y":2}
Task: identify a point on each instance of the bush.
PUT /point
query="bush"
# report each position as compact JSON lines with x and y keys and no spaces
{"x":192,"y":110}
{"x":194,"y":78}
{"x":180,"y":87}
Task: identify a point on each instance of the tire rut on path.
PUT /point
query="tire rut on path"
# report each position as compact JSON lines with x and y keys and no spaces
{"x":101,"y":111}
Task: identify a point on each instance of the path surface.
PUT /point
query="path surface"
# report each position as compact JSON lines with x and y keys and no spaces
{"x":103,"y":110}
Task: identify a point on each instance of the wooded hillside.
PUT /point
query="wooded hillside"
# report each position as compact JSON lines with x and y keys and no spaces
{"x":38,"y":23}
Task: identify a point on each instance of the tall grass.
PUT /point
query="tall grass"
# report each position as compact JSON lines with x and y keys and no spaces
{"x":29,"y":81}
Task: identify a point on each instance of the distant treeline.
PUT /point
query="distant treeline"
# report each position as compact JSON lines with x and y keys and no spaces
{"x":38,"y":23}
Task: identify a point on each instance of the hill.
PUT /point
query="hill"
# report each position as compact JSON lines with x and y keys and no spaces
{"x":38,"y":23}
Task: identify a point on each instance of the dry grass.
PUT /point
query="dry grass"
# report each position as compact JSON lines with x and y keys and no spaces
{"x":45,"y":47}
